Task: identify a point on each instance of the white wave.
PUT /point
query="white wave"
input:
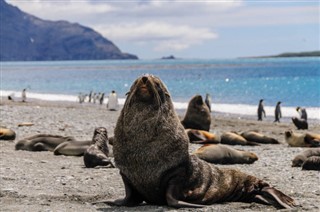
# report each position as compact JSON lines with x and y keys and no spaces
{"x":240,"y":109}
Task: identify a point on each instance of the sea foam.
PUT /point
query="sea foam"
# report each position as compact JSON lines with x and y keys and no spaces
{"x":237,"y":109}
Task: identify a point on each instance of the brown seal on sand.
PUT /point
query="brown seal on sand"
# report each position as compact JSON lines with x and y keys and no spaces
{"x":258,"y":138}
{"x":308,"y":159}
{"x":222,"y":154}
{"x":41,"y":142}
{"x":72,"y":148}
{"x":301,"y":124}
{"x":233,"y":138}
{"x":301,"y":140}
{"x":198,"y":115}
{"x":202,"y":137}
{"x":312,"y":163}
{"x":313,"y":139}
{"x":151,"y":151}
{"x":97,"y":154}
{"x":7,"y":134}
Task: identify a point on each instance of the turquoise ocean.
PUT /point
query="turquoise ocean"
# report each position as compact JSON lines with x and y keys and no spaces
{"x":235,"y":85}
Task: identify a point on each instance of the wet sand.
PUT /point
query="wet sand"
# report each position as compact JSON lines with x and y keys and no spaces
{"x":41,"y":181}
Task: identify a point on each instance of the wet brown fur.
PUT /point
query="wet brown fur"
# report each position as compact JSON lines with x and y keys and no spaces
{"x":256,"y":137}
{"x":233,"y":138}
{"x":222,"y":154}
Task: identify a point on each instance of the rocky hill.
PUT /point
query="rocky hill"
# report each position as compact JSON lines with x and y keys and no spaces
{"x":24,"y":37}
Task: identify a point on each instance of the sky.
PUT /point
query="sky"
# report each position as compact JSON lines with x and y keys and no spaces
{"x":204,"y":29}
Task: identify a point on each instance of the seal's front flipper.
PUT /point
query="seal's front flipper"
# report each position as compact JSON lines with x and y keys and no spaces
{"x":132,"y":198}
{"x":272,"y":196}
{"x":173,"y":202}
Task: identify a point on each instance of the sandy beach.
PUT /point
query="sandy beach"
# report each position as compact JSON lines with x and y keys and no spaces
{"x":41,"y":181}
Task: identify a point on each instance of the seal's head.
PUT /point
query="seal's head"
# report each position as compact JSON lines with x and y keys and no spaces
{"x":298,"y":160}
{"x":288,"y":133}
{"x":250,"y":157}
{"x":196,"y":100}
{"x":147,"y":89}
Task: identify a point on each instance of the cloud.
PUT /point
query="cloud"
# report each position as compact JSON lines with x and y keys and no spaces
{"x":165,"y":36}
{"x":169,"y":24}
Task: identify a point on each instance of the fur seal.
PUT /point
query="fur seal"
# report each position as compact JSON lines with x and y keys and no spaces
{"x":97,"y":154}
{"x":308,"y":159}
{"x":198,"y":115}
{"x":301,"y":124}
{"x":277,"y":112}
{"x":301,"y":140}
{"x":7,"y":134}
{"x":72,"y":148}
{"x":261,"y":110}
{"x":202,"y":136}
{"x":222,"y":154}
{"x":312,"y":163}
{"x":233,"y":138}
{"x":151,"y":151}
{"x":312,"y":138}
{"x":256,"y":137}
{"x":41,"y":142}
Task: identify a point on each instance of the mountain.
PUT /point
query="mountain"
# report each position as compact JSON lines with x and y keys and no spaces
{"x":292,"y":54}
{"x":24,"y":37}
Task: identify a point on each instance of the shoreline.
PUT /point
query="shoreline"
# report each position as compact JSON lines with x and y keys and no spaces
{"x":40,"y":181}
{"x":180,"y":111}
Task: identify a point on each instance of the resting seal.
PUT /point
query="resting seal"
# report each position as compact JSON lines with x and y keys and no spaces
{"x":258,"y":138}
{"x":97,"y":154}
{"x":313,"y":139}
{"x":301,"y":124}
{"x":312,"y":163}
{"x":7,"y":134}
{"x":72,"y":148}
{"x":308,"y":159}
{"x":202,"y":136}
{"x":222,"y":154}
{"x":151,"y":151}
{"x":301,"y":140}
{"x":41,"y":142}
{"x":233,"y":138}
{"x":198,"y":115}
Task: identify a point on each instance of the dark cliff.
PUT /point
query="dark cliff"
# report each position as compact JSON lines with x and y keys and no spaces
{"x":24,"y":37}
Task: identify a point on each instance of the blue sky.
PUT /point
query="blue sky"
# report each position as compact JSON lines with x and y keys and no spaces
{"x":192,"y":28}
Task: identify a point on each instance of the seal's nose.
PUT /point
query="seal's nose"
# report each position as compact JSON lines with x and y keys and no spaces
{"x":144,"y":79}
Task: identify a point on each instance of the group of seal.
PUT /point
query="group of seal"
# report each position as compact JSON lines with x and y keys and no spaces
{"x":151,"y":151}
{"x":250,"y":138}
{"x":223,"y":154}
{"x":198,"y":115}
{"x":302,"y":139}
{"x":308,"y":159}
{"x":95,"y":151}
{"x":42,"y":142}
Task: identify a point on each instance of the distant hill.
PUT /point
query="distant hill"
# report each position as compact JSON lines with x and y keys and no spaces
{"x":294,"y":54}
{"x":24,"y":37}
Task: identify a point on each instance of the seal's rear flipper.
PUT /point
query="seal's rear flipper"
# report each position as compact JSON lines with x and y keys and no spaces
{"x":173,"y":202}
{"x":272,"y":196}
